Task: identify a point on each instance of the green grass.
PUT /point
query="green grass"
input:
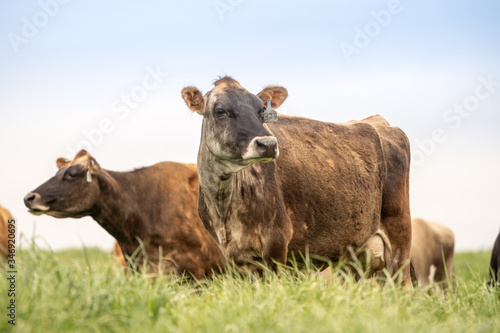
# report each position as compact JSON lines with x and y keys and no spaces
{"x":83,"y":291}
{"x":471,"y":265}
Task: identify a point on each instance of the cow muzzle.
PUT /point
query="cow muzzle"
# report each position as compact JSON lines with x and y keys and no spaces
{"x":262,"y":147}
{"x":34,"y":202}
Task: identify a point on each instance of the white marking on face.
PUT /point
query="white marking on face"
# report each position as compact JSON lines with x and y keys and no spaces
{"x":252,"y":151}
{"x":39,"y":206}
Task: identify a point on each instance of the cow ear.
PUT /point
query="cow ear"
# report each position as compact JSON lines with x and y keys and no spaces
{"x":88,"y":161}
{"x":94,"y":167}
{"x":194,"y":99}
{"x":276,"y":94}
{"x":61,"y":162}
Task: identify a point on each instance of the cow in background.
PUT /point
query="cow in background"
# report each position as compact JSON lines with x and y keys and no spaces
{"x":495,"y":263}
{"x":432,"y":250}
{"x":5,"y":217}
{"x":153,"y":207}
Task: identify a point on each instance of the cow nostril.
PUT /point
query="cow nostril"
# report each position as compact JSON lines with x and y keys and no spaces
{"x":260,"y":144}
{"x":30,"y":199}
{"x":266,"y":147}
{"x":263,"y":147}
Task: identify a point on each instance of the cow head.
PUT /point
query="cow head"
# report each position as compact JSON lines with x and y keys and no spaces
{"x":233,"y":122}
{"x":72,"y":192}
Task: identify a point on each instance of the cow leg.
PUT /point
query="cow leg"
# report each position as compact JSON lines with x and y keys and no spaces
{"x":440,"y":274}
{"x":399,"y":231}
{"x":275,"y":251}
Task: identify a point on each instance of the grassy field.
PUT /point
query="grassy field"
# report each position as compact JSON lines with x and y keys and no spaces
{"x":83,"y":291}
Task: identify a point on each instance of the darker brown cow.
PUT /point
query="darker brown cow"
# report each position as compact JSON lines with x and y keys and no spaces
{"x":5,"y":217}
{"x":495,"y":263}
{"x":431,"y":243}
{"x":333,"y":186}
{"x":156,"y":204}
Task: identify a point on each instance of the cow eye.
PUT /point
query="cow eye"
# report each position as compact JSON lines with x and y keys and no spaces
{"x":72,"y":173}
{"x":220,"y":112}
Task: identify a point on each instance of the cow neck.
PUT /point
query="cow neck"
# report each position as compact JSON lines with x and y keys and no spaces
{"x":224,"y":195}
{"x":216,"y":180}
{"x":116,"y":205}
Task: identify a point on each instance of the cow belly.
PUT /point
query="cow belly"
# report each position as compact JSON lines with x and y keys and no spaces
{"x":331,"y":239}
{"x":335,"y":208}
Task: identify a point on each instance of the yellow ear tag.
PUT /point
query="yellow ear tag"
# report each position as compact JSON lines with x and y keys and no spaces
{"x":270,"y":115}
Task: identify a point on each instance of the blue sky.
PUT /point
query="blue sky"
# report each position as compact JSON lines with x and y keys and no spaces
{"x":62,"y":81}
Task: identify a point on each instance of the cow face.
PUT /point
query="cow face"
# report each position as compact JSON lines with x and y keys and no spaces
{"x":72,"y":192}
{"x":233,"y":125}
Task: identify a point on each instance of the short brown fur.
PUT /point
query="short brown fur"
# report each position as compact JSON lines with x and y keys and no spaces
{"x":155,"y":204}
{"x":332,"y":186}
{"x":430,"y":243}
{"x":4,"y":232}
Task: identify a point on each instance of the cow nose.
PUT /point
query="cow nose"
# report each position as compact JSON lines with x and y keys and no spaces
{"x":267,"y":146}
{"x":30,"y":198}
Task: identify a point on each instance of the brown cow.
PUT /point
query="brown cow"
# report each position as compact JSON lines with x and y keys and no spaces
{"x":430,"y":243}
{"x":5,"y":217}
{"x":156,"y":204}
{"x":495,"y":264}
{"x":334,"y":186}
